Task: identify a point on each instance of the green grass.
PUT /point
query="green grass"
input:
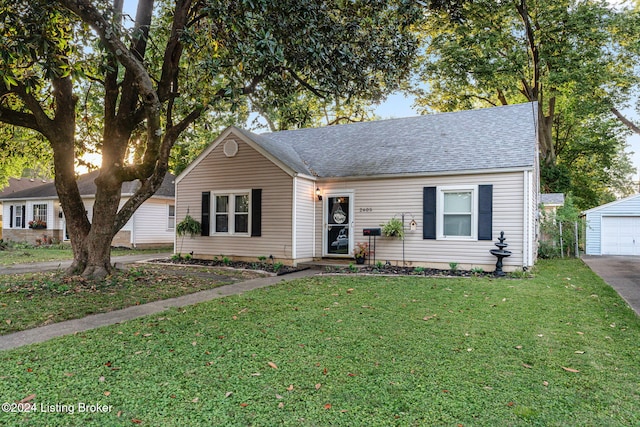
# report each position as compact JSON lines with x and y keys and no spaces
{"x":25,"y":254}
{"x":350,"y":351}
{"x":31,"y":300}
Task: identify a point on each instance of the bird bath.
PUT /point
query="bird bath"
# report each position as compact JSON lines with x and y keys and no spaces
{"x":500,"y":253}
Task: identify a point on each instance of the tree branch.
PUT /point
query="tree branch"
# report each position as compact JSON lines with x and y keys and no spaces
{"x":625,"y":121}
{"x":306,"y":85}
{"x":16,"y":118}
{"x":89,"y":14}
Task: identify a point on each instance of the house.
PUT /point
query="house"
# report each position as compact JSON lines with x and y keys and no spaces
{"x":551,"y":202}
{"x":614,"y":228}
{"x":34,"y":213}
{"x":456,"y":179}
{"x":18,"y":184}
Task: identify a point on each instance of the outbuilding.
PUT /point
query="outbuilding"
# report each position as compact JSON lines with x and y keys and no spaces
{"x":614,"y":228}
{"x":456,"y":180}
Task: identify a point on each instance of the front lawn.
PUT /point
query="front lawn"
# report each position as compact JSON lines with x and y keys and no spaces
{"x":31,"y":300}
{"x":559,"y":349}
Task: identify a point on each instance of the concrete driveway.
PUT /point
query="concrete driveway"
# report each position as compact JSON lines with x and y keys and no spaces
{"x":622,"y":273}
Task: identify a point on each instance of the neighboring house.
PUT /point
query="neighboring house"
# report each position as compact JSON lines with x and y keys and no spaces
{"x":458,"y":179}
{"x":614,"y":228}
{"x":34,"y":213}
{"x":551,"y":202}
{"x":15,"y":185}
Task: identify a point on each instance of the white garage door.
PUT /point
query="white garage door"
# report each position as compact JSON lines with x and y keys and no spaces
{"x":620,"y":235}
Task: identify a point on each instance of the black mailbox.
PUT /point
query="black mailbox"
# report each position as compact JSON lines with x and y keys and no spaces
{"x":372,"y":232}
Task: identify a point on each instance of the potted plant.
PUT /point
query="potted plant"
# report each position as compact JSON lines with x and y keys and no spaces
{"x":393,"y":228}
{"x":37,"y":224}
{"x":187,"y":226}
{"x":360,"y":253}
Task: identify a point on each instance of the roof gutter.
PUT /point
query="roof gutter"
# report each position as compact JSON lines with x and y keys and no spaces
{"x":425,"y":174}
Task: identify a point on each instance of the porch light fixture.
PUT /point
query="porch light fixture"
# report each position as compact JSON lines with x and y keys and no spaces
{"x":318,"y":193}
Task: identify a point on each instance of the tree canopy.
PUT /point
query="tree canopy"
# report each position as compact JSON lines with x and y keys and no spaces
{"x":87,"y":76}
{"x":572,"y":57}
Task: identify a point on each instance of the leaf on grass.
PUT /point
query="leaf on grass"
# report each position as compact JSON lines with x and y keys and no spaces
{"x":101,"y":379}
{"x":195,"y":400}
{"x":579,"y":352}
{"x":244,"y":405}
{"x":136,"y":421}
{"x":278,"y":396}
{"x":107,"y":393}
{"x":429,"y":317}
{"x":318,"y":386}
{"x":147,"y":335}
{"x":256,"y":374}
{"x":273,"y":365}
{"x":510,"y":404}
{"x":280,"y":405}
{"x":350,"y":290}
{"x":290,"y":388}
{"x":227,"y":394}
{"x":518,"y":347}
{"x":68,"y":374}
{"x":580,"y":333}
{"x":28,"y":398}
{"x":545,"y":383}
{"x":194,"y":343}
{"x":327,"y":406}
{"x":570,"y":369}
{"x":7,"y":321}
{"x":527,"y":366}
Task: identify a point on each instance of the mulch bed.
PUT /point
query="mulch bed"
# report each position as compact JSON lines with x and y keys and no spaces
{"x":279,"y":269}
{"x":274,"y":268}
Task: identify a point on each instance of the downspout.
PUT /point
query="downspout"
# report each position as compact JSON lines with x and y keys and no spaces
{"x":294,"y":218}
{"x":133,"y":230}
{"x":525,"y":228}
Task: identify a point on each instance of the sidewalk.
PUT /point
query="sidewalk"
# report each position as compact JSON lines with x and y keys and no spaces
{"x":118,"y":261}
{"x":44,"y":333}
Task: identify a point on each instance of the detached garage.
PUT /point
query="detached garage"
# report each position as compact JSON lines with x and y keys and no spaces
{"x":614,"y":228}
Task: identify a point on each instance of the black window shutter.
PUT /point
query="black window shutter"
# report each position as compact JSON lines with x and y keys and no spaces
{"x":256,"y":212}
{"x":11,"y":216}
{"x":429,"y":213}
{"x":24,"y":216}
{"x":206,"y":216}
{"x":485,"y":212}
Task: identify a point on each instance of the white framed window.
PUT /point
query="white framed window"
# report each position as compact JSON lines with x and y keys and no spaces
{"x":231,"y":212}
{"x":171,"y":217}
{"x":40,"y":212}
{"x":457,"y":209}
{"x":18,"y":216}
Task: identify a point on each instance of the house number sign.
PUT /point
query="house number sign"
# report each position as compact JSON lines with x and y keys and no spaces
{"x":366,"y":209}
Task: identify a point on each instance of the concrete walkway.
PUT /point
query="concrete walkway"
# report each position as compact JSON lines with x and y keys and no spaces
{"x":44,"y":333}
{"x":118,"y":261}
{"x":622,"y":273}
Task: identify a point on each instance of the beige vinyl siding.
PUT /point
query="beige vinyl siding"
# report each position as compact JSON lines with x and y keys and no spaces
{"x":306,"y":203}
{"x":247,"y":170}
{"x":150,"y":223}
{"x":378,"y":200}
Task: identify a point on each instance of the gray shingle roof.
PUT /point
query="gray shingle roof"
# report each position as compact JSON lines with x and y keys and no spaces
{"x":87,"y":187}
{"x":552,"y":198}
{"x":491,"y":138}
